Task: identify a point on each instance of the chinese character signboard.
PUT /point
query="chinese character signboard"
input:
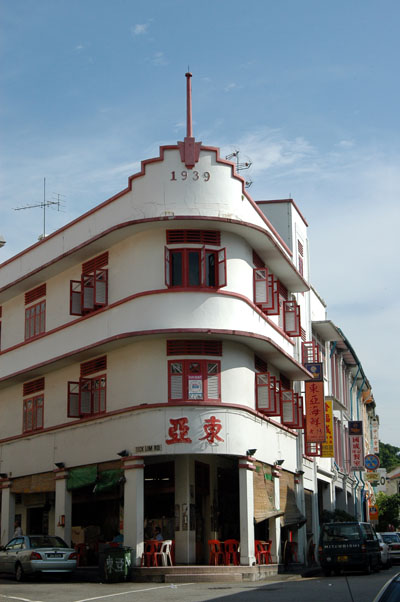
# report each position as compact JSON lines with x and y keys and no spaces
{"x":315,"y":411}
{"x":375,"y":437}
{"x":356,"y":443}
{"x":327,"y":449}
{"x":180,"y":428}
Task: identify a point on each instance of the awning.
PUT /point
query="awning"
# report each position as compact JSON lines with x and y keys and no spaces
{"x":264,"y":507}
{"x":81,"y":477}
{"x":108,"y":479}
{"x":293,"y":517}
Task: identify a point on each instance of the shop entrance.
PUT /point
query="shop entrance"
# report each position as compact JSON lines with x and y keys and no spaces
{"x":228,"y":503}
{"x":202,"y":505}
{"x":37,"y":521}
{"x":159,"y":499}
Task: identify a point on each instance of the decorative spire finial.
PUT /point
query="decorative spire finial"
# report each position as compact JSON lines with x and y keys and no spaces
{"x":189,"y":149}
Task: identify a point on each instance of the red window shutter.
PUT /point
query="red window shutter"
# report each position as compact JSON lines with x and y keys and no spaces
{"x":260,"y":364}
{"x":313,"y":449}
{"x":291,"y":318}
{"x":85,"y":396}
{"x":263,"y":392}
{"x":101,"y":288}
{"x":209,"y":237}
{"x":301,"y":266}
{"x":300,"y":248}
{"x":97,"y":365}
{"x":35,"y":293}
{"x":96,"y":263}
{"x":38,"y":412}
{"x":73,"y":400}
{"x":288,"y":408}
{"x":99,"y":395}
{"x":213,"y":381}
{"x":261,"y":288}
{"x":28,"y":415}
{"x":300,"y":413}
{"x":257,"y":261}
{"x":203,"y":281}
{"x":88,"y":281}
{"x":33,"y":386}
{"x":175,"y":381}
{"x":167,"y":266}
{"x":75,"y":298}
{"x":221,"y":268}
{"x":194,"y":347}
{"x":272,"y":306}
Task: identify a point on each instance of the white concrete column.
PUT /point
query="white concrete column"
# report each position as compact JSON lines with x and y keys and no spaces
{"x":275,"y":523}
{"x":134,"y":506}
{"x":185,"y":538}
{"x":7,"y":511}
{"x":63,"y":506}
{"x":302,"y":531}
{"x":246,"y":502}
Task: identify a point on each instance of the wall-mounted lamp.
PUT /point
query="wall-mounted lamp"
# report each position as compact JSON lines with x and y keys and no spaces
{"x":299,"y":472}
{"x":124,"y":453}
{"x":59,"y":464}
{"x":279,"y":462}
{"x":251,"y":452}
{"x":61,"y":520}
{"x":3,"y":475}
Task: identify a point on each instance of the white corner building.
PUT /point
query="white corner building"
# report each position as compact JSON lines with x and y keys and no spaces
{"x":152,"y":371}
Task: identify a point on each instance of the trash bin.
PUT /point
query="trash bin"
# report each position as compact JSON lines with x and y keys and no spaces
{"x":115,"y":563}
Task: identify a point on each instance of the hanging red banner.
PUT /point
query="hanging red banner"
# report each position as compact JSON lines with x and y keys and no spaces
{"x":315,"y":412}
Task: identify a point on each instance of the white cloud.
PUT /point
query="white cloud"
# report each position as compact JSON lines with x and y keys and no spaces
{"x":159,"y":59}
{"x":140,"y":29}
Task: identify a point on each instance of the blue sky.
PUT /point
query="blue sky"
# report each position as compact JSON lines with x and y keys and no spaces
{"x":307,"y":90}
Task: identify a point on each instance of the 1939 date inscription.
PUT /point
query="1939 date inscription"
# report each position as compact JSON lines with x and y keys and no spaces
{"x":191,"y":175}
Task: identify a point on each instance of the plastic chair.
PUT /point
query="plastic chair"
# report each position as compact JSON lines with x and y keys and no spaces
{"x":262,"y":551}
{"x":164,"y":553}
{"x":216,"y":553}
{"x":231,"y":552}
{"x":149,"y":557}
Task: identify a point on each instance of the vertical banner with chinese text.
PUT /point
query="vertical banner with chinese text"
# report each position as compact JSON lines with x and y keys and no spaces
{"x":356,"y":440}
{"x":327,"y":448}
{"x":315,"y":411}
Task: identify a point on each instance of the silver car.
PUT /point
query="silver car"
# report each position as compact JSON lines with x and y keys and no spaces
{"x":393,"y":541}
{"x":386,"y":561}
{"x":32,"y":554}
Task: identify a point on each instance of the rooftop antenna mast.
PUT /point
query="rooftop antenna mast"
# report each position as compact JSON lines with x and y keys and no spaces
{"x":240,"y":166}
{"x":43,"y":205}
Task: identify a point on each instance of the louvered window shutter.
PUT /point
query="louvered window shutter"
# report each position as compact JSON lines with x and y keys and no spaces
{"x":288,"y":411}
{"x":100,"y":293}
{"x":261,"y":289}
{"x":176,"y":381}
{"x":213,"y":392}
{"x":73,"y":400}
{"x":291,"y":318}
{"x":85,"y":396}
{"x":75,"y":298}
{"x":221,"y":268}
{"x":272,"y":305}
{"x":88,"y":292}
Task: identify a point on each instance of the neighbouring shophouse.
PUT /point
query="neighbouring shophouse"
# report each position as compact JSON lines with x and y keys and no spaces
{"x":155,"y":355}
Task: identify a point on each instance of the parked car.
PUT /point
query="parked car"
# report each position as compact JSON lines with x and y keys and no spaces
{"x":390,"y":592}
{"x":393,"y":541}
{"x":348,"y":546}
{"x":30,"y":554}
{"x":386,"y":561}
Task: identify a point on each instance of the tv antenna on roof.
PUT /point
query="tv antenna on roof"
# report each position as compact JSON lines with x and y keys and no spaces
{"x":43,"y":205}
{"x":240,"y":166}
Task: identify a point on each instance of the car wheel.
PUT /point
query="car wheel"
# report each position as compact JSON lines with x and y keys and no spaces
{"x":19,"y":572}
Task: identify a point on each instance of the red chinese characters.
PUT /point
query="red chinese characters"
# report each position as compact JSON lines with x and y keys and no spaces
{"x":178,"y":431}
{"x":315,"y":416}
{"x":212,"y":426}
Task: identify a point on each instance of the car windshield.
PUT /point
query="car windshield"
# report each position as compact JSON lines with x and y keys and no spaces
{"x":343,"y":532}
{"x":392,"y":593}
{"x":390,"y":538}
{"x":47,"y":541}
